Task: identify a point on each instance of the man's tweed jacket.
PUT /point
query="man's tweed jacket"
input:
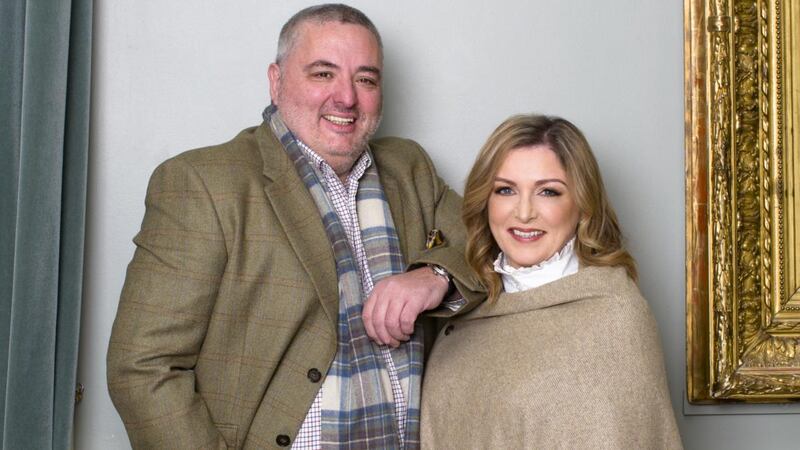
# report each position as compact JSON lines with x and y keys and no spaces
{"x":230,"y":304}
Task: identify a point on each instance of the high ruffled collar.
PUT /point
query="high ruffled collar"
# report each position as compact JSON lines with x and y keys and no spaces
{"x":564,"y":262}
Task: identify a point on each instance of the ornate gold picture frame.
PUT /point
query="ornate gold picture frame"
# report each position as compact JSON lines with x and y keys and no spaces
{"x":742,"y":75}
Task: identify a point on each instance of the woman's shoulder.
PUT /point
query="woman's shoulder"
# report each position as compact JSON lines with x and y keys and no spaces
{"x":615,"y":286}
{"x":624,"y":314}
{"x":610,"y":279}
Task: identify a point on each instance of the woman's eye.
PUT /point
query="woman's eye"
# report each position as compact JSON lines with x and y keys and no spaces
{"x":547,"y":192}
{"x":503,"y":190}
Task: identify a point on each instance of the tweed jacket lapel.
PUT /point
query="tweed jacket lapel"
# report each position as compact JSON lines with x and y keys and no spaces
{"x":299,"y":217}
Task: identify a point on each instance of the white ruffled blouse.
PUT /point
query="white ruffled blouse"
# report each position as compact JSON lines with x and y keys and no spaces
{"x":561,"y":264}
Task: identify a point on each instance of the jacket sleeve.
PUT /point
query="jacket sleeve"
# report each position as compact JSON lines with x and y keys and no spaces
{"x":450,"y":255}
{"x":163,"y":314}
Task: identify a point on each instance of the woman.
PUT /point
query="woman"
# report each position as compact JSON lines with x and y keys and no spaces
{"x":564,"y":353}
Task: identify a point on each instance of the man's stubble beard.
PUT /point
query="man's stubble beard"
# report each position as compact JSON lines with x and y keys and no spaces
{"x":288,"y":114}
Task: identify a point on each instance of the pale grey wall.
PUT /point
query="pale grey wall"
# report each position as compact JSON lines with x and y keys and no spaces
{"x":172,"y":75}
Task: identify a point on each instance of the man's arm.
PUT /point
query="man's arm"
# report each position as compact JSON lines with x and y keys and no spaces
{"x":396,"y":301}
{"x":163,"y":315}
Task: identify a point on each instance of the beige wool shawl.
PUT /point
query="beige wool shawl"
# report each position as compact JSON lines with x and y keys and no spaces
{"x":575,"y":363}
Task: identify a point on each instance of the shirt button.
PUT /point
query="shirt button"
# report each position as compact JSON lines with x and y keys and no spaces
{"x":314,"y":375}
{"x":283,"y":440}
{"x":449,"y":329}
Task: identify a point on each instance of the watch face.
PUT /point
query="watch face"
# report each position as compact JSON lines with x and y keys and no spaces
{"x":441,"y":271}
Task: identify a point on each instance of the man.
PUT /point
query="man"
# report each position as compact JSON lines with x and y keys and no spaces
{"x":240,"y":322}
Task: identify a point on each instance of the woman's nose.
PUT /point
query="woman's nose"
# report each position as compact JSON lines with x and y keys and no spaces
{"x":525,"y":210}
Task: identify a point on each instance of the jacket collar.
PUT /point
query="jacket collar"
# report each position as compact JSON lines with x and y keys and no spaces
{"x":299,"y":218}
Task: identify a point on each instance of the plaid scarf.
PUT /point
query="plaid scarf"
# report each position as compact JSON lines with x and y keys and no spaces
{"x":365,"y":414}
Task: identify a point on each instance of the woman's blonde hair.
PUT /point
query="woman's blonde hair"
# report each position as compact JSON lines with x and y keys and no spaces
{"x":598,"y":238}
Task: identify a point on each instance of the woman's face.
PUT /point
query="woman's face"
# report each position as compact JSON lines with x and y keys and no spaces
{"x":532,"y":210}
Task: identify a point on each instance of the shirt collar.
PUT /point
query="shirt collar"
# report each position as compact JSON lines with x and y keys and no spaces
{"x":362,"y":163}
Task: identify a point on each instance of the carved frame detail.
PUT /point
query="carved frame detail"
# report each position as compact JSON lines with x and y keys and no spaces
{"x":742,"y":219}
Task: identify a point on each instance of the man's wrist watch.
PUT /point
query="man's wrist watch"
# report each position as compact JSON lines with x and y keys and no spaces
{"x":440,"y":271}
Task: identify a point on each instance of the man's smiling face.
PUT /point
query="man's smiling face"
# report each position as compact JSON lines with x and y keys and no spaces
{"x":328,"y":90}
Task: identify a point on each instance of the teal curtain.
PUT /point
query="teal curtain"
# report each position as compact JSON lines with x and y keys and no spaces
{"x":45,"y":69}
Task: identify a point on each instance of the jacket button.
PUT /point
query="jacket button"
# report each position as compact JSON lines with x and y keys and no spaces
{"x":283,"y":440}
{"x":314,"y":375}
{"x":448,"y":329}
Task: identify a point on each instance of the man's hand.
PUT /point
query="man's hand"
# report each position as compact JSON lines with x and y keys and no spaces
{"x":396,"y":301}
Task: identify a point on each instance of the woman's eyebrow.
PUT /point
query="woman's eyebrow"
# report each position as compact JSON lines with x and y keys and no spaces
{"x":538,"y":182}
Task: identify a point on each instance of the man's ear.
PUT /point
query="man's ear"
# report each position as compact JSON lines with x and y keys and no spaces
{"x":274,"y":75}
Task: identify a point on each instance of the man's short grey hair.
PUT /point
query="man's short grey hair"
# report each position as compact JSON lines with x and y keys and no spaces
{"x":329,"y":12}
